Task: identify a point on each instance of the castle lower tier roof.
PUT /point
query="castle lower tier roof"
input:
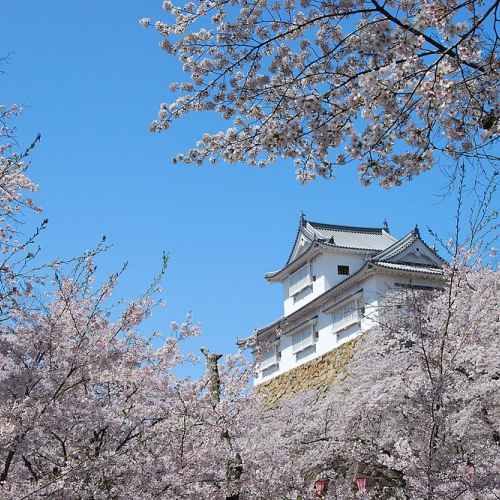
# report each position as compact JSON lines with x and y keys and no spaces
{"x":370,"y":267}
{"x":412,"y":268}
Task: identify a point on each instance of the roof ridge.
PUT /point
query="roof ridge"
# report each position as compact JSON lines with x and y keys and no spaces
{"x":340,"y":227}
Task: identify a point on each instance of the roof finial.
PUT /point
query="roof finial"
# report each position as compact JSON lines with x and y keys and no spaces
{"x":386,"y":226}
{"x":302,"y":218}
{"x":416,"y":231}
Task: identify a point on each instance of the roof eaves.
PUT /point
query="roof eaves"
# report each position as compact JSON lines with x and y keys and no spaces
{"x":408,"y":268}
{"x":370,"y":265}
{"x":277,"y":275}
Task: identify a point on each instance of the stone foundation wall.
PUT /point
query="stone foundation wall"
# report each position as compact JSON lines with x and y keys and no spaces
{"x":319,"y":374}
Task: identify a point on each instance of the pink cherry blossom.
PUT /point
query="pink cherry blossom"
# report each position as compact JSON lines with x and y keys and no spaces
{"x":389,"y":86}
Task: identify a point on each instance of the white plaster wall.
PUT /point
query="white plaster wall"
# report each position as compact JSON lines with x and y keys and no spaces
{"x":326,"y":341}
{"x":328,"y":262}
{"x":288,"y":358}
{"x":318,"y":287}
{"x":326,"y":338}
{"x":376,"y":287}
{"x":324,"y":270}
{"x":373,"y":290}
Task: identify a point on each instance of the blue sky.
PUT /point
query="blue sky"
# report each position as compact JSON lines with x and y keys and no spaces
{"x":91,"y":80}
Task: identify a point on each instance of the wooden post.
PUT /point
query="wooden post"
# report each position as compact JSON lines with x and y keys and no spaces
{"x":234,"y":466}
{"x":213,"y":374}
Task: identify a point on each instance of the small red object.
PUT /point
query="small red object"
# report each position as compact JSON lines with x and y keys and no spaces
{"x":361,"y":484}
{"x":470,"y":472}
{"x":321,"y":487}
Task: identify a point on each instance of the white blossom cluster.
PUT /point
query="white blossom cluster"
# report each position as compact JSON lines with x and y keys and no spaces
{"x":323,"y":83}
{"x":17,"y":250}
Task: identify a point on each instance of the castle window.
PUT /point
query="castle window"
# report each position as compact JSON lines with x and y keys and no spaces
{"x":346,"y":315}
{"x":305,"y":352}
{"x":299,"y":280}
{"x":303,"y":293}
{"x":269,"y":360}
{"x":270,"y":370}
{"x":344,"y":270}
{"x":303,"y":340}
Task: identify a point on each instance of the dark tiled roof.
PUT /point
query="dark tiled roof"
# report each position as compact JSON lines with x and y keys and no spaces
{"x":351,"y":229}
{"x":370,"y":239}
{"x":365,"y":238}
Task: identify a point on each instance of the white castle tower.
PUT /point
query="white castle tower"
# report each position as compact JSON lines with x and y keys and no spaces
{"x":332,"y":284}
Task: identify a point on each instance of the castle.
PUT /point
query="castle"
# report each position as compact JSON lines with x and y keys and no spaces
{"x":333,"y":282}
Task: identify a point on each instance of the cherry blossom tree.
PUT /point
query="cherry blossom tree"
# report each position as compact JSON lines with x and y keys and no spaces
{"x":90,"y":406}
{"x":17,"y":246}
{"x":388,"y":85}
